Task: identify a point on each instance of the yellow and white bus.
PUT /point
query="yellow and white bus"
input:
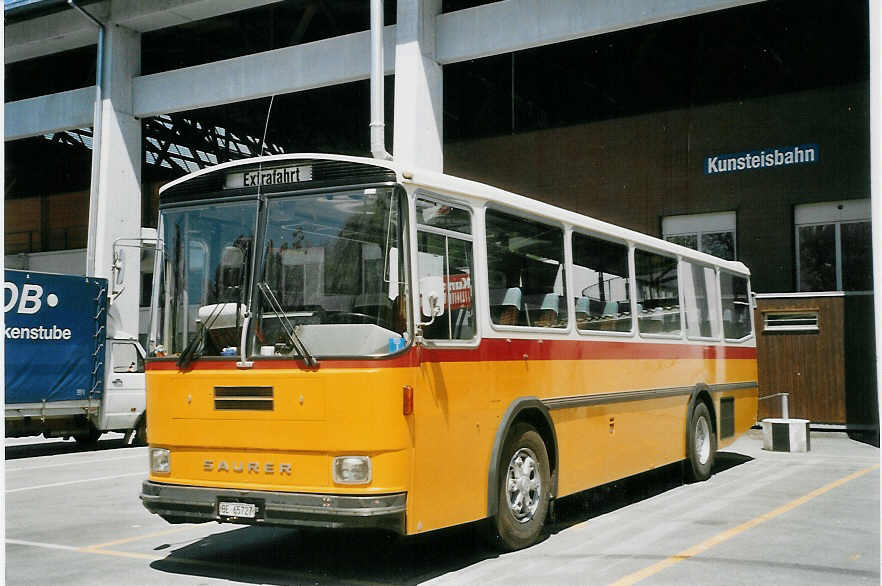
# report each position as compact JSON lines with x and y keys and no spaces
{"x":343,"y":342}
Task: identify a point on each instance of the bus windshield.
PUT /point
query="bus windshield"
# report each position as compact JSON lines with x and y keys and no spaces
{"x":206,"y":264}
{"x":329,"y":281}
{"x":332,"y":274}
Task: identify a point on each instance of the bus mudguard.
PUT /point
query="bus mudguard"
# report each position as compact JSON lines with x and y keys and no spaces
{"x":530,"y":410}
{"x":702,"y":390}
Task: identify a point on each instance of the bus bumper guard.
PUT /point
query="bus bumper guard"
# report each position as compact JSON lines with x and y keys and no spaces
{"x":191,"y":504}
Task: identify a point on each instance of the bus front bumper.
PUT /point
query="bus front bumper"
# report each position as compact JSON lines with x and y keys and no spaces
{"x":192,"y":504}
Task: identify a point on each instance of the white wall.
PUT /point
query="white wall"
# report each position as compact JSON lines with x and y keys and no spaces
{"x":65,"y":262}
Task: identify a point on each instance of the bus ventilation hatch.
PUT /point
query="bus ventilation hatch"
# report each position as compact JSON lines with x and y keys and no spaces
{"x":243,"y":398}
{"x":727,"y":417}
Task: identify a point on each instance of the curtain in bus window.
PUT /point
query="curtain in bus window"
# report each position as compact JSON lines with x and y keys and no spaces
{"x":700,"y":299}
{"x":526,"y":272}
{"x":600,"y":277}
{"x":736,"y":306}
{"x":658,"y":299}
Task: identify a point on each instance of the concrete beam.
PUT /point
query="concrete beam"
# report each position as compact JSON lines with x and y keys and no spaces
{"x":419,"y":87}
{"x":514,"y":25}
{"x":115,"y":196}
{"x":51,"y":113}
{"x":490,"y":29}
{"x":292,"y":69}
{"x":156,"y":14}
{"x":66,"y":30}
{"x":45,"y":35}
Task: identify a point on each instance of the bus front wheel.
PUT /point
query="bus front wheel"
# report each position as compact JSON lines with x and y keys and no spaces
{"x":701,"y":443}
{"x":524,"y":485}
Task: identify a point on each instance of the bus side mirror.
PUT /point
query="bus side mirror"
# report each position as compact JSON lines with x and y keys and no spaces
{"x":432,"y":297}
{"x":118,"y":269}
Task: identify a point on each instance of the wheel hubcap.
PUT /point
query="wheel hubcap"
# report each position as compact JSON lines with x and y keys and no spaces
{"x":523,"y":485}
{"x":702,"y":440}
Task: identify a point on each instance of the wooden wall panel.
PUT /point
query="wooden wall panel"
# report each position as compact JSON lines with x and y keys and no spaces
{"x":808,"y":365}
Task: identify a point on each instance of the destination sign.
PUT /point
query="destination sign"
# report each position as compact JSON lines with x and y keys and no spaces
{"x":267,"y":177}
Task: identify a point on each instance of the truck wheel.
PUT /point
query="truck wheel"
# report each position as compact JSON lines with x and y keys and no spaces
{"x":88,"y":438}
{"x":701,"y":444}
{"x":139,"y":434}
{"x":524,"y":485}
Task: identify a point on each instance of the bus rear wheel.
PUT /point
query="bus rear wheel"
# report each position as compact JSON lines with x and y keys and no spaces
{"x":701,"y":444}
{"x":524,"y":485}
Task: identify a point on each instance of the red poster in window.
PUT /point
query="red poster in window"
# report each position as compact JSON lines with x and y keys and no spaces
{"x":459,"y":291}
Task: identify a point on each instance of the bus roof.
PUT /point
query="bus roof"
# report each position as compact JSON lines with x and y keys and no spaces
{"x":481,"y":193}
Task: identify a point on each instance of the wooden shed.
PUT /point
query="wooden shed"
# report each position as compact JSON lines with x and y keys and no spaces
{"x":801,"y":351}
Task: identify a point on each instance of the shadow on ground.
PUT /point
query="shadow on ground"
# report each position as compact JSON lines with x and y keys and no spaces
{"x":265,"y":555}
{"x":61,"y":447}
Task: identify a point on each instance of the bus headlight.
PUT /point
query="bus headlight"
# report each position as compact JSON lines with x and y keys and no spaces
{"x":160,"y":462}
{"x":352,"y":470}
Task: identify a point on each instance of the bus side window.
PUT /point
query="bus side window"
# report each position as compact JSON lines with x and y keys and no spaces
{"x":700,"y":300}
{"x":600,"y":276}
{"x":658,"y":295}
{"x":445,"y":257}
{"x":526,"y":261}
{"x":736,"y":306}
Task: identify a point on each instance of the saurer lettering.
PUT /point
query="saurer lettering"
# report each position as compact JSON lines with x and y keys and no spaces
{"x":284,"y":468}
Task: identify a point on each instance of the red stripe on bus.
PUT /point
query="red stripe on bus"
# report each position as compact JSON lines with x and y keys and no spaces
{"x":497,"y":350}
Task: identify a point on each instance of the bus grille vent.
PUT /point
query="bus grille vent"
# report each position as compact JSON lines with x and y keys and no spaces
{"x":243,"y":398}
{"x":727,"y":417}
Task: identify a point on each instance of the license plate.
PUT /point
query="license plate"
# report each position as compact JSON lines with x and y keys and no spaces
{"x":241,"y":510}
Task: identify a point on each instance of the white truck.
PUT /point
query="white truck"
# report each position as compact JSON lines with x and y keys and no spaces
{"x":69,"y":371}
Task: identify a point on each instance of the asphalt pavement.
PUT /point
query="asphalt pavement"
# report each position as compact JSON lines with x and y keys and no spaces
{"x":73,"y":517}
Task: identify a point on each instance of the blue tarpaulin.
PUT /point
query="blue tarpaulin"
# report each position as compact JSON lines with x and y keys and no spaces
{"x":55,"y":336}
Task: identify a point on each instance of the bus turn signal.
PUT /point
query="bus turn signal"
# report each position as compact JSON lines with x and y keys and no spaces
{"x":408,"y":400}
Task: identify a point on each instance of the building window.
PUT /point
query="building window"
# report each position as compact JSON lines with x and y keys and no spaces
{"x":833,"y":246}
{"x":790,"y":321}
{"x":710,"y":233}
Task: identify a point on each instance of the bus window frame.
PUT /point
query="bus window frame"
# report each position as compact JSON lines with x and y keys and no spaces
{"x":414,"y":229}
{"x":564,"y":227}
{"x":157,"y":326}
{"x":629,"y":261}
{"x":677,"y":258}
{"x":750,"y":308}
{"x":260,"y":264}
{"x":718,"y":306}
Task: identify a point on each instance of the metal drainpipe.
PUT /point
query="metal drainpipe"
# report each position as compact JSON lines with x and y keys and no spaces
{"x":96,"y":141}
{"x":378,"y":114}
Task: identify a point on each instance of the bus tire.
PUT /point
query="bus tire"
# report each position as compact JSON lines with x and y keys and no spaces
{"x":701,"y":444}
{"x":524,"y":489}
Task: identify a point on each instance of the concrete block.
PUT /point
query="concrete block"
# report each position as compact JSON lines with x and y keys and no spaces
{"x":786,"y":435}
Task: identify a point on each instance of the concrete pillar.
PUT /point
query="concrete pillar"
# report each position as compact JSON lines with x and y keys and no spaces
{"x":419,"y":87}
{"x":116,"y":180}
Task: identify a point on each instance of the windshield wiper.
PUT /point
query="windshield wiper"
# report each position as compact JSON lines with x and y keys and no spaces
{"x":290,"y":330}
{"x":196,"y":346}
